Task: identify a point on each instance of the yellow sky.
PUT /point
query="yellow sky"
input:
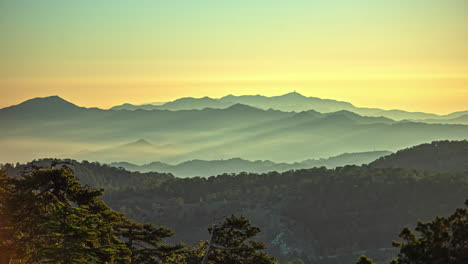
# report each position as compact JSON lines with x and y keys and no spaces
{"x":409,"y":55}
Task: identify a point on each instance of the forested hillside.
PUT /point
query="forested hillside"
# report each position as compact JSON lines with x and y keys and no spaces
{"x":317,"y":215}
{"x":98,"y":175}
{"x":438,"y":155}
{"x":47,"y":216}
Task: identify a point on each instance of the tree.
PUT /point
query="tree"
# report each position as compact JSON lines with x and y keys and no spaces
{"x":6,"y":246}
{"x":48,"y":217}
{"x":441,"y":241}
{"x":53,"y":219}
{"x":144,"y":240}
{"x":231,"y":243}
{"x":364,"y":260}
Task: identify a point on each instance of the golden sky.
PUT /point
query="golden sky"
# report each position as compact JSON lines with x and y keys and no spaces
{"x":409,"y":55}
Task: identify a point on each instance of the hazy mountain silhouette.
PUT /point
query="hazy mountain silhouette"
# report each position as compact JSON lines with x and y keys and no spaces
{"x":137,"y":151}
{"x":458,"y":118}
{"x":345,"y":159}
{"x":50,"y":106}
{"x":132,"y":107}
{"x":287,"y":102}
{"x":51,"y":127}
{"x":456,"y":114}
{"x":236,"y":165}
{"x":438,"y":155}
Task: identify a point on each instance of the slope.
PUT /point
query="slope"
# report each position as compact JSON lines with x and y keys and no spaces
{"x":438,"y":155}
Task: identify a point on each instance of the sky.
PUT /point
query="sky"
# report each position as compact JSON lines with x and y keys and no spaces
{"x":401,"y":54}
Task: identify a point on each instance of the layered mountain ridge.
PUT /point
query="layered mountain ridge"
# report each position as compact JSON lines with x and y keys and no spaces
{"x":288,"y":102}
{"x":205,"y":168}
{"x":52,"y":127}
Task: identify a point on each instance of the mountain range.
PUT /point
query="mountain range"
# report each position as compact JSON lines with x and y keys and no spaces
{"x":205,"y":168}
{"x":294,"y":102}
{"x":53,"y":127}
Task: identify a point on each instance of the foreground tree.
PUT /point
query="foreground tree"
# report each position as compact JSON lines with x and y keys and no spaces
{"x":52,"y":218}
{"x":48,"y":217}
{"x":145,"y":243}
{"x":364,"y":260}
{"x":6,"y":246}
{"x":231,"y":243}
{"x":443,"y":240}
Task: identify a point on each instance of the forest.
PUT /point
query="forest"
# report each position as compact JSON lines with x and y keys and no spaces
{"x":315,"y":215}
{"x":47,"y":216}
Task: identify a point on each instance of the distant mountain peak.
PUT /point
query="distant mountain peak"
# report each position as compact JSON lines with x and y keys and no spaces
{"x":345,"y":113}
{"x":292,"y":94}
{"x":141,"y":142}
{"x":54,"y":99}
{"x":53,"y":103}
{"x":308,"y":114}
{"x":241,"y":107}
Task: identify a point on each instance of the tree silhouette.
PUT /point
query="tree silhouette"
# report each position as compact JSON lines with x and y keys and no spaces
{"x":364,"y":260}
{"x":443,"y":240}
{"x":48,"y":217}
{"x":231,"y":243}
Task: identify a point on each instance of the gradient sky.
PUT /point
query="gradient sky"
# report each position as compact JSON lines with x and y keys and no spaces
{"x":403,"y":54}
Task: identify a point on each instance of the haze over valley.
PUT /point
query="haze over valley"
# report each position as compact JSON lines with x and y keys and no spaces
{"x":54,"y":127}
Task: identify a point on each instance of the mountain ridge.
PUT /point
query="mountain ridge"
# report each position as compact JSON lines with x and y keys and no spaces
{"x":437,"y":155}
{"x":303,"y":103}
{"x":205,"y":168}
{"x":207,"y":134}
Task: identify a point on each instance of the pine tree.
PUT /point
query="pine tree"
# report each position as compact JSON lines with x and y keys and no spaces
{"x":145,"y":242}
{"x":7,"y":247}
{"x":364,"y":260}
{"x":52,"y":220}
{"x":443,"y":240}
{"x":48,"y":217}
{"x":231,"y":243}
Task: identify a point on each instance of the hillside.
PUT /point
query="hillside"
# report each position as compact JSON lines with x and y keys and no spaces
{"x":305,"y":208}
{"x":100,"y":175}
{"x":207,"y":168}
{"x":438,"y":155}
{"x":319,"y":215}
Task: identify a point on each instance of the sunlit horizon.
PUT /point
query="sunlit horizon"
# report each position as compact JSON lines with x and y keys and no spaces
{"x":408,"y":55}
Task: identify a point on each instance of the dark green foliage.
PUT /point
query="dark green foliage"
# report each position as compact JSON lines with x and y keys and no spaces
{"x":7,"y":247}
{"x":308,"y":213}
{"x":364,"y":260}
{"x":144,"y":240}
{"x":441,"y":241}
{"x":48,"y":217}
{"x":232,"y":243}
{"x":99,"y":175}
{"x":52,"y":219}
{"x":438,"y":155}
